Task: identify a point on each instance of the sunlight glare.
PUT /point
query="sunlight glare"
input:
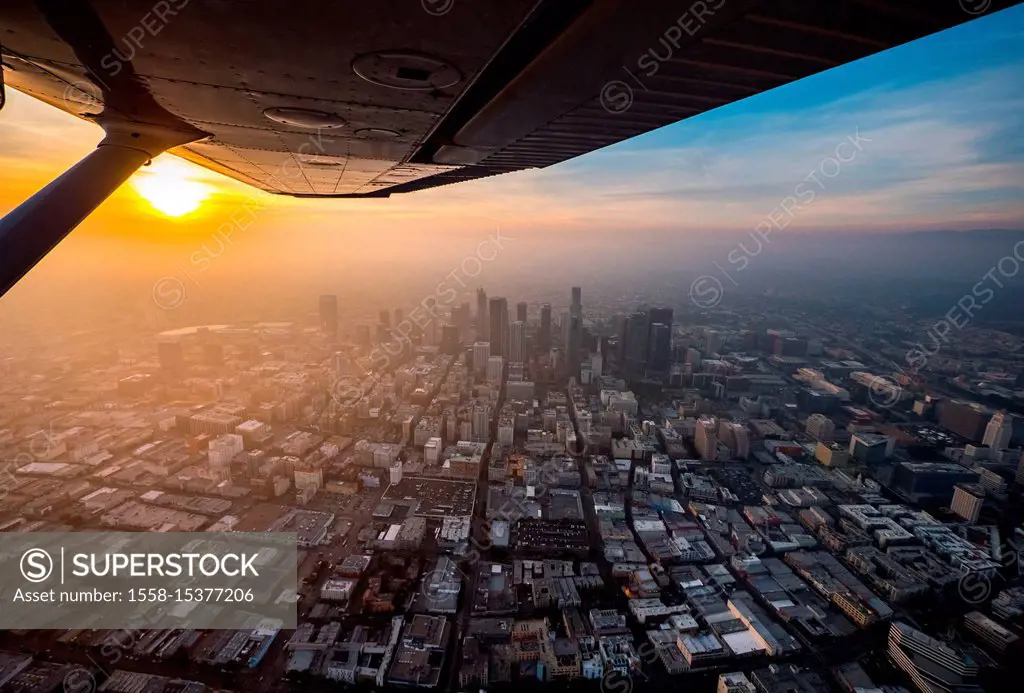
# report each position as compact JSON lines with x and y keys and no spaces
{"x":169,"y":185}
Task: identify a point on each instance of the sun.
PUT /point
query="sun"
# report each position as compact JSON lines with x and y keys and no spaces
{"x":169,"y":185}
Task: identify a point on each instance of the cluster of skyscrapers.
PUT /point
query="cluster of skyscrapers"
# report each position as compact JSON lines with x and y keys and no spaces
{"x":508,"y":338}
{"x":646,"y":342}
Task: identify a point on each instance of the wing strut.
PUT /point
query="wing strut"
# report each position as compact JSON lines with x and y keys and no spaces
{"x":31,"y":230}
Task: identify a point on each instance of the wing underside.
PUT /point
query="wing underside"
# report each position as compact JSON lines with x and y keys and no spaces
{"x":367,"y":99}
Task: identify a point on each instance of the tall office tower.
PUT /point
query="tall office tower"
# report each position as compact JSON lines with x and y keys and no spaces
{"x":495,"y":369}
{"x":462,"y":318}
{"x":398,"y":316}
{"x":450,"y":339}
{"x":481,"y":352}
{"x":498,"y":314}
{"x":999,"y":431}
{"x":932,"y":665}
{"x":385,"y":318}
{"x":621,"y":325}
{"x":659,"y":348}
{"x":588,"y":341}
{"x":662,"y":315}
{"x":481,"y":422}
{"x":706,"y":439}
{"x":659,"y":340}
{"x":575,"y":343}
{"x":521,"y":311}
{"x":482,"y":324}
{"x":544,"y":335}
{"x":172,"y":358}
{"x":636,"y":344}
{"x":329,"y":314}
{"x":517,"y":342}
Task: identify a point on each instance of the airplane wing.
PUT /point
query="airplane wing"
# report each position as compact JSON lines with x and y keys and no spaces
{"x":365,"y":99}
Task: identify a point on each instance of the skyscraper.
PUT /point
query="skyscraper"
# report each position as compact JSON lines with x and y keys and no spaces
{"x":575,"y":342}
{"x":544,"y":335}
{"x":385,"y":318}
{"x":662,"y":315}
{"x":999,"y":431}
{"x":521,"y":311}
{"x":495,"y":369}
{"x":563,"y":329}
{"x":498,"y":315}
{"x":450,"y":339}
{"x":481,"y":313}
{"x":659,"y":347}
{"x":481,"y":352}
{"x":481,"y":422}
{"x":462,"y":318}
{"x":517,"y":342}
{"x":329,"y":314}
{"x":659,"y":339}
{"x":635,"y":348}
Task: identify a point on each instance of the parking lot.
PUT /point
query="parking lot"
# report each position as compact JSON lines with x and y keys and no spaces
{"x":741,"y":481}
{"x":434,"y":497}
